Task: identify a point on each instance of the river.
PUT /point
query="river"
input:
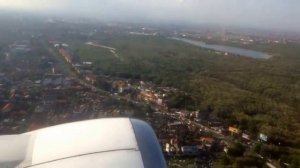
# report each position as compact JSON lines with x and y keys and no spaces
{"x":227,"y":49}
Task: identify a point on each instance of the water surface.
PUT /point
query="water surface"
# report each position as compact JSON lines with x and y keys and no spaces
{"x":227,"y":49}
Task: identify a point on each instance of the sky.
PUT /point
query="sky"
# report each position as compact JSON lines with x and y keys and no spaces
{"x":267,"y":14}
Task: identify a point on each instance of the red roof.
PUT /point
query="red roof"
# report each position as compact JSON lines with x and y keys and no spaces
{"x":8,"y":107}
{"x":207,"y":139}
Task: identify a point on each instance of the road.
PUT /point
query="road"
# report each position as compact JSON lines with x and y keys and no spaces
{"x":67,"y":69}
{"x":111,"y":49}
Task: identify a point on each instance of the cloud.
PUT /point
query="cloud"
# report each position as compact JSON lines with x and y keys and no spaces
{"x":282,"y":14}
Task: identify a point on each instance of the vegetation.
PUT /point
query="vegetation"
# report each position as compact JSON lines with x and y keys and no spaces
{"x":256,"y":95}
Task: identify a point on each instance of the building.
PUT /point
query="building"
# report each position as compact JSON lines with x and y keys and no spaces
{"x":189,"y":150}
{"x":246,"y":137}
{"x":91,"y":78}
{"x":233,"y":130}
{"x":171,"y":149}
{"x":263,"y":137}
{"x":207,"y":140}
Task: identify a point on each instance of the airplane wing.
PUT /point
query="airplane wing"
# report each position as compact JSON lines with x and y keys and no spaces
{"x":105,"y":143}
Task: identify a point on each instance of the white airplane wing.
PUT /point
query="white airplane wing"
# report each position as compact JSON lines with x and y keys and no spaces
{"x":103,"y":143}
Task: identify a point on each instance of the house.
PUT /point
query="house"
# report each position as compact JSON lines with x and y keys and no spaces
{"x":91,"y":78}
{"x":207,"y":140}
{"x":246,"y":137}
{"x":21,"y":47}
{"x":119,"y":85}
{"x":218,"y":129}
{"x":77,"y":68}
{"x":189,"y":150}
{"x":65,"y":45}
{"x":87,"y":63}
{"x":159,"y":101}
{"x":233,"y":130}
{"x":171,"y":149}
{"x":263,"y":137}
{"x":225,"y":149}
{"x":175,"y":124}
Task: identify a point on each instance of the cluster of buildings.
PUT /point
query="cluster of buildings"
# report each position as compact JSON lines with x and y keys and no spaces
{"x":184,"y":138}
{"x":245,"y":39}
{"x":151,"y":96}
{"x":16,"y":100}
{"x":34,"y":96}
{"x":82,"y":69}
{"x":20,"y":47}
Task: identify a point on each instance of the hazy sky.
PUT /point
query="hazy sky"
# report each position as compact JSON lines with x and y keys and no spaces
{"x":279,"y":14}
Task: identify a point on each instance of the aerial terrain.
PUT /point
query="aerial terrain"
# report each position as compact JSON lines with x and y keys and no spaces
{"x":215,"y":97}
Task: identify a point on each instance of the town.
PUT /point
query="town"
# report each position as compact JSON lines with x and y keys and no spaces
{"x":45,"y":81}
{"x":65,"y":90}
